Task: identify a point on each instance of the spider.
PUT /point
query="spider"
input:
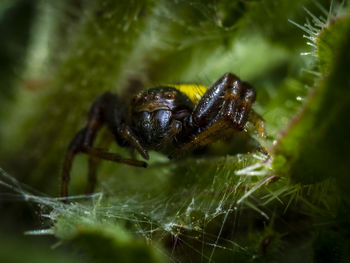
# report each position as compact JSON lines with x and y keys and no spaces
{"x":166,"y":119}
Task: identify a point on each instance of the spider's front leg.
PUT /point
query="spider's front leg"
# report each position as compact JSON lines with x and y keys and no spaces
{"x":223,"y":109}
{"x":107,"y":109}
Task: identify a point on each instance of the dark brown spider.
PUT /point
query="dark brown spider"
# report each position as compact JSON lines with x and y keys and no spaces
{"x":163,"y":119}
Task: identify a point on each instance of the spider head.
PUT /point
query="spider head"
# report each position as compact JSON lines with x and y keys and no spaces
{"x":154,"y":114}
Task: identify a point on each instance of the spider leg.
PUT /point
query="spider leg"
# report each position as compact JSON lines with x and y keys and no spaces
{"x":94,"y":162}
{"x":258,"y":122}
{"x":223,"y":110}
{"x":108,"y":156}
{"x":95,"y":155}
{"x":104,"y":110}
{"x":212,"y":100}
{"x":92,"y":171}
{"x":73,"y":148}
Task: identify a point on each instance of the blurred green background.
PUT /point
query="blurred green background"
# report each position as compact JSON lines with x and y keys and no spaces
{"x":231,"y":204}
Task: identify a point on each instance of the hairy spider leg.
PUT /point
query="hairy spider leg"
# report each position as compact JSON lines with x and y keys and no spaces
{"x":223,"y":110}
{"x":107,"y":109}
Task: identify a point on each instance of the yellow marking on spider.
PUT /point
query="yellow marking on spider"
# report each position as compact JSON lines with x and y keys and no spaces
{"x":193,"y":91}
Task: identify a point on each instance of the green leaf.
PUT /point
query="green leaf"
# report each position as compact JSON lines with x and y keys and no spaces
{"x":315,"y":145}
{"x":105,"y":242}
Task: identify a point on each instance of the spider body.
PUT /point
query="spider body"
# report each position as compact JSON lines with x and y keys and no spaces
{"x":157,"y":116}
{"x":167,"y":119}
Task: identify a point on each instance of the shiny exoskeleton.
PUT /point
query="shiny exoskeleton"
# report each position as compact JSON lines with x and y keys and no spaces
{"x":163,"y":119}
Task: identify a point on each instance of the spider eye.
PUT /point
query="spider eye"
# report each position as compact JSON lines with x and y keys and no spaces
{"x":169,"y":95}
{"x":136,"y":98}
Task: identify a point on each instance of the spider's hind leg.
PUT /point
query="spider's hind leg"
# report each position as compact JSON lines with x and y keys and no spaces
{"x":83,"y":141}
{"x":92,"y":171}
{"x":76,"y":146}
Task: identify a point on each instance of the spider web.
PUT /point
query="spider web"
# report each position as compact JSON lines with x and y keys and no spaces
{"x":193,"y":215}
